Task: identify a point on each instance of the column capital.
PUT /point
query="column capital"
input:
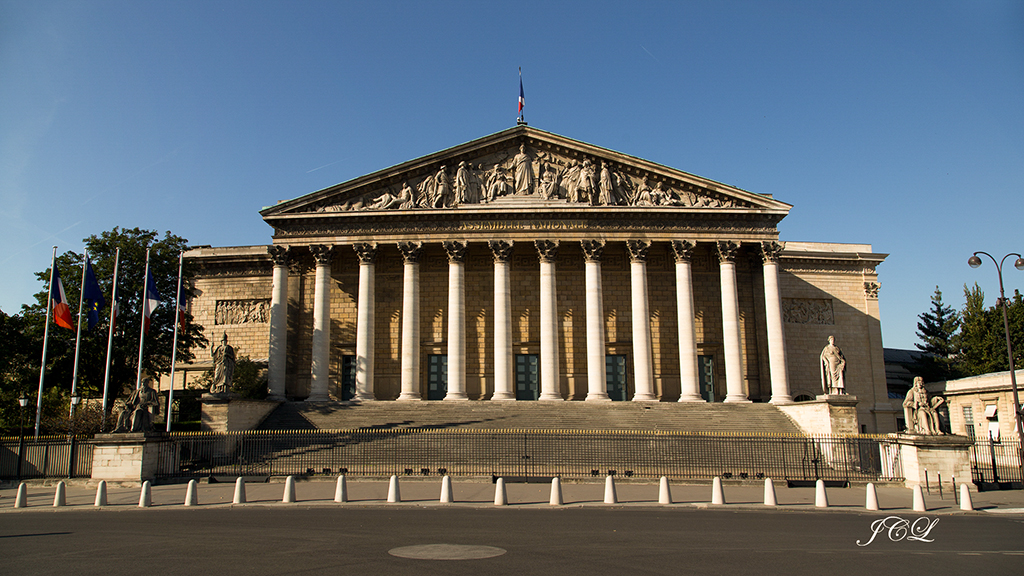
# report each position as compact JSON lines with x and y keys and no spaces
{"x":771,"y":251}
{"x":322,"y":253}
{"x":592,"y":250}
{"x":683,"y":250}
{"x":638,"y":250}
{"x":871,"y":289}
{"x":727,"y":250}
{"x":281,"y":255}
{"x":411,"y":251}
{"x":547,"y":249}
{"x":456,"y":251}
{"x":366,"y":251}
{"x":502,"y":250}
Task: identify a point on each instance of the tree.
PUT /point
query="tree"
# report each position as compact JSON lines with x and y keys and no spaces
{"x":938,"y":332}
{"x":983,"y":336}
{"x":19,"y":369}
{"x":156,"y":359}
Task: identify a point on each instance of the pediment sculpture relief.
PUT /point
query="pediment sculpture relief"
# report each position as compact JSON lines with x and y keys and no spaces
{"x":526,"y":173}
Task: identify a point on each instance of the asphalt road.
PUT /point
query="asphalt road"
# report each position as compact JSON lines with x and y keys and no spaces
{"x":299,"y":539}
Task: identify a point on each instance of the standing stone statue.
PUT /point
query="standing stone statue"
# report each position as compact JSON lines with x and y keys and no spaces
{"x":920,"y":411}
{"x":136,"y":416}
{"x":523,"y":171}
{"x":223,"y":366}
{"x":833,"y":368}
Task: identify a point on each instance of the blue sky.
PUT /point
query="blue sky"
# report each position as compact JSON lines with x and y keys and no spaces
{"x":898,"y":124}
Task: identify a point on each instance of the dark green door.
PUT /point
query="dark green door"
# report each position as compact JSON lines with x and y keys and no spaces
{"x":527,"y":376}
{"x":706,"y":370}
{"x":615,"y":373}
{"x":348,"y":377}
{"x":437,"y":376}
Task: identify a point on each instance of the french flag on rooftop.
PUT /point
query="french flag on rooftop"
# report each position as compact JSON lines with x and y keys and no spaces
{"x":153,"y":300}
{"x":522,"y":98}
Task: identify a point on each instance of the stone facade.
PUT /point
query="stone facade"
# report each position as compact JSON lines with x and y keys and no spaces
{"x":648,"y":242}
{"x":980,"y":406}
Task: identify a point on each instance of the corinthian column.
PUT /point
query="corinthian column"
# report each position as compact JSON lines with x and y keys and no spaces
{"x":410,"y":320}
{"x":689,"y":380}
{"x":549,"y":388}
{"x":770,"y":252}
{"x":456,"y":320}
{"x":731,"y":323}
{"x":278,"y":323}
{"x":321,"y":365}
{"x":503,"y":383}
{"x":643,"y":362}
{"x":597,"y":376}
{"x":367,"y":253}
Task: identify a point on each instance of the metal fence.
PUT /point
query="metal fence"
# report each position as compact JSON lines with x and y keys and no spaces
{"x":996,"y":462}
{"x":529,"y":454}
{"x":47,"y":457}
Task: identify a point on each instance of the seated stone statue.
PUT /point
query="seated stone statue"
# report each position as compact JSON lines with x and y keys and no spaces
{"x":136,"y":416}
{"x":920,"y":411}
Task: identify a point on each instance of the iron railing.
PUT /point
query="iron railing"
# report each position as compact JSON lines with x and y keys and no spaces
{"x":47,"y":457}
{"x":996,"y":461}
{"x":528,"y":453}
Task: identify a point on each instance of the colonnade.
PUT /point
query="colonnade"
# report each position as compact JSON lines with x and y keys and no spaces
{"x":643,"y":371}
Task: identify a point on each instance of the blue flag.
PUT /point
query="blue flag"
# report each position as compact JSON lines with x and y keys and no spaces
{"x":93,"y":295}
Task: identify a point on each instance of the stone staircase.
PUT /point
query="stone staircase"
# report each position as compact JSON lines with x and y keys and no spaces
{"x":661,"y":416}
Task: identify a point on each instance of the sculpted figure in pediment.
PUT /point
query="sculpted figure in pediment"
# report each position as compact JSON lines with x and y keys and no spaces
{"x":497,"y":183}
{"x":586,"y":188}
{"x":606,"y":184}
{"x":522,"y":167}
{"x":464,"y":194}
{"x":642,"y":197}
{"x":549,"y":182}
{"x":570,"y":182}
{"x":441,"y":196}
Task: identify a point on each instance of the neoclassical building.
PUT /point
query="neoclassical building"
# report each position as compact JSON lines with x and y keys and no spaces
{"x":526,"y":266}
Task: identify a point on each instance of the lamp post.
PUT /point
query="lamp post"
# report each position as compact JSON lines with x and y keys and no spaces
{"x":22,"y":401}
{"x":974,"y":262}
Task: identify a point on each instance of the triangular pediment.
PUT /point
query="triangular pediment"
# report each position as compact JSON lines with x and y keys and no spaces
{"x":526,"y":168}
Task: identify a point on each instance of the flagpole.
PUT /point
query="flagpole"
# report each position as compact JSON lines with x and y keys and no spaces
{"x":110,"y":337}
{"x":46,"y":338}
{"x":142,"y":328}
{"x":78,"y":337}
{"x":174,"y":348}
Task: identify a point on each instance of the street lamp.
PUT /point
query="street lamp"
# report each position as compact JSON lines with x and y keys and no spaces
{"x":22,"y":401}
{"x":974,"y":262}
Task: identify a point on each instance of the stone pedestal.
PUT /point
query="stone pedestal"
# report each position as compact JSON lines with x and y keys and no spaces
{"x":127,"y":457}
{"x":229,"y":413}
{"x":948,"y":456}
{"x":827,"y":414}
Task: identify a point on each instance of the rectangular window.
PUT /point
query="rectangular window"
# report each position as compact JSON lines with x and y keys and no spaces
{"x":527,"y":376}
{"x":615,"y":374}
{"x":969,"y":421}
{"x":437,"y":376}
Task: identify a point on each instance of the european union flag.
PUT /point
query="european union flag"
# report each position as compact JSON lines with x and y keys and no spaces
{"x":93,"y":295}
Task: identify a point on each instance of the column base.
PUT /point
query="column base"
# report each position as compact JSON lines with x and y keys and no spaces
{"x":318,"y":398}
{"x":551,"y":398}
{"x":456,"y":397}
{"x":364,"y":398}
{"x":781,"y":400}
{"x":591,"y":397}
{"x":737,"y":398}
{"x":503,"y":396}
{"x":644,"y":398}
{"x":406,"y":397}
{"x":692,"y":398}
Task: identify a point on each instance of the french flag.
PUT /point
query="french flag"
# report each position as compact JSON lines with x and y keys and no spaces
{"x":153,"y":300}
{"x":522,"y":98}
{"x":61,"y":310}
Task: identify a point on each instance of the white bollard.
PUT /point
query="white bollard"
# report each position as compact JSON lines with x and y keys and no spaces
{"x":609,"y":490}
{"x":919,"y":505}
{"x":341,"y":492}
{"x":556,"y":492}
{"x":820,"y":496}
{"x":192,"y":494}
{"x":871,"y":498}
{"x":446,"y":490}
{"x":664,"y":492}
{"x":21,"y":500}
{"x":146,"y":495}
{"x":500,"y":496}
{"x":769,"y":493}
{"x":394,"y":494}
{"x":59,"y":498}
{"x":289,"y":490}
{"x":965,"y":498}
{"x":239,"y":491}
{"x":101,"y":494}
{"x":59,"y":494}
{"x":717,"y":494}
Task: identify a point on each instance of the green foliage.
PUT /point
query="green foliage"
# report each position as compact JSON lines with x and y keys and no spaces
{"x":982,"y":339}
{"x":938,"y":332}
{"x":249,"y":380}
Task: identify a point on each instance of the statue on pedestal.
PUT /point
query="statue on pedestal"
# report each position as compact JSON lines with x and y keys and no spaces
{"x":223,"y":367}
{"x":920,"y":411}
{"x":833,"y":368}
{"x":136,"y":416}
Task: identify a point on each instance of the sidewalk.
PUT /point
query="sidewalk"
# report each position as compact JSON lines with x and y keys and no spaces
{"x":479,"y":492}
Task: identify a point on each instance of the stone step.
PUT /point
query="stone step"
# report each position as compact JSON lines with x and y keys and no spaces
{"x":664,"y":416}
